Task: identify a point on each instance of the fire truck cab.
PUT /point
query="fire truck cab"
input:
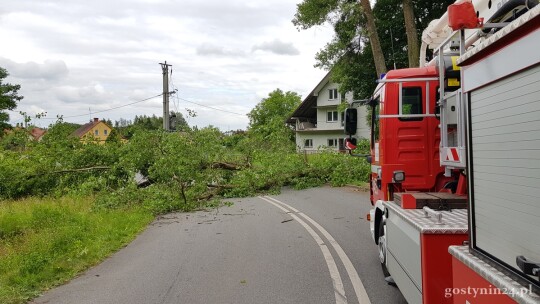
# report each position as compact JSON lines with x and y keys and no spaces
{"x":455,"y":171}
{"x":406,"y":169}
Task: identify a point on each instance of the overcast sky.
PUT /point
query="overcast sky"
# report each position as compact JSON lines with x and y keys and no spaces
{"x":79,"y":57}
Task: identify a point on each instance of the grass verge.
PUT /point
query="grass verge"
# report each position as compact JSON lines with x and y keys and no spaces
{"x":46,"y":242}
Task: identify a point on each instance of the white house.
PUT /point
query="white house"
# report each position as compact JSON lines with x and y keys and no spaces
{"x":318,"y":123}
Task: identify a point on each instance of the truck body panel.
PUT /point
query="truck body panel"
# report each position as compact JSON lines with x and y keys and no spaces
{"x":479,"y":139}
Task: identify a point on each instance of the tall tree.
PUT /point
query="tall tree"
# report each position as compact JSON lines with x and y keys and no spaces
{"x":378,"y":55}
{"x":350,"y":54}
{"x":268,"y":117}
{"x":340,"y":13}
{"x":8,"y":98}
{"x":413,"y":49}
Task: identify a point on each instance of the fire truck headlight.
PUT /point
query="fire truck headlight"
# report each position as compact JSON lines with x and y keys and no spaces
{"x":379,"y":172}
{"x":399,"y":176}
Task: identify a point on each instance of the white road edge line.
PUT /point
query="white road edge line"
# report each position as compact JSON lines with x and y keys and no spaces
{"x":358,"y":286}
{"x":339,"y":291}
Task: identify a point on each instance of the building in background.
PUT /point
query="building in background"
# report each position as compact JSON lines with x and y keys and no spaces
{"x":37,"y":133}
{"x":319,"y":124}
{"x":95,"y":130}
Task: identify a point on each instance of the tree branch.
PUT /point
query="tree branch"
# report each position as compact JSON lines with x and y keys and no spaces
{"x":226,"y":166}
{"x":82,"y":169}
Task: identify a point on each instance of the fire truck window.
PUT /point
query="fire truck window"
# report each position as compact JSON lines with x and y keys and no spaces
{"x":375,"y":124}
{"x":411,"y":103}
{"x":437,"y":100}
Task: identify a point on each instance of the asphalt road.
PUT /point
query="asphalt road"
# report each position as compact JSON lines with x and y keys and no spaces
{"x":311,"y":246}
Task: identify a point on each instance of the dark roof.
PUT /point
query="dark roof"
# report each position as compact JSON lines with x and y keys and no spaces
{"x":84,"y":129}
{"x":308,"y":107}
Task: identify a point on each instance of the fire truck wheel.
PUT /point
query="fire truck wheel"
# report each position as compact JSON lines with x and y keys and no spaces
{"x":382,"y":248}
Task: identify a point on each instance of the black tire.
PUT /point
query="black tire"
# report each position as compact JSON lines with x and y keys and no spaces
{"x":382,"y":255}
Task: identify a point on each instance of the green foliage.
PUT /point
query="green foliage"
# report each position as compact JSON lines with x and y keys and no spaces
{"x":9,"y":96}
{"x":16,"y":139}
{"x":348,"y":55}
{"x":127,"y":128}
{"x":267,"y":119}
{"x":314,"y":12}
{"x":51,"y":166}
{"x":149,"y":122}
{"x":114,"y":137}
{"x":186,"y":169}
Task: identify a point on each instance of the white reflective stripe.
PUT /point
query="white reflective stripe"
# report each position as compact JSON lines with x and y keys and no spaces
{"x":452,"y":154}
{"x":448,"y":155}
{"x":374,"y":168}
{"x":400,"y":99}
{"x":406,"y":116}
{"x":427,"y":98}
{"x":408,"y":79}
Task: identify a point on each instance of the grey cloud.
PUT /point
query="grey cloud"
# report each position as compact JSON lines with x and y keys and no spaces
{"x":210,"y":49}
{"x":277,"y":47}
{"x":113,"y":49}
{"x":91,"y":94}
{"x":49,"y":70}
{"x":221,"y":16}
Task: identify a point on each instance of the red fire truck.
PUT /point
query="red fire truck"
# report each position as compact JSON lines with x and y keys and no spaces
{"x":455,"y":160}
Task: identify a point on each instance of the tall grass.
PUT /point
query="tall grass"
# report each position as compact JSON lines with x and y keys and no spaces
{"x":45,"y":242}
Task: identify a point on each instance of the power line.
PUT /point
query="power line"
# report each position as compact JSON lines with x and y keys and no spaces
{"x":176,"y":102}
{"x":205,"y":106}
{"x":210,"y":107}
{"x":122,"y":106}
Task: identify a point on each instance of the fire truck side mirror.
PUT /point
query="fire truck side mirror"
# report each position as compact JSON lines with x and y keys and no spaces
{"x":351,"y":121}
{"x":368,"y":159}
{"x":373,"y":102}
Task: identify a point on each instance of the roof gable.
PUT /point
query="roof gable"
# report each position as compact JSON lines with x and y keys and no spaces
{"x":37,"y":133}
{"x":321,"y":85}
{"x":84,"y":129}
{"x":308,"y":107}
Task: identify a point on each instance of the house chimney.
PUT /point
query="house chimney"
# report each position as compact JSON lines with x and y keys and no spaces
{"x":96,"y":119}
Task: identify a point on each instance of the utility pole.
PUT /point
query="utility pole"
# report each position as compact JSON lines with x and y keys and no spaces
{"x":165,"y":69}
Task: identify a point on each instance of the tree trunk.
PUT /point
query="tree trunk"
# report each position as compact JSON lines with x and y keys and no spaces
{"x":378,"y":55}
{"x":412,"y":38}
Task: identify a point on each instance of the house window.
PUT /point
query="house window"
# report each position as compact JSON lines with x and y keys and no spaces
{"x":96,"y":132}
{"x":104,"y":132}
{"x":308,"y":143}
{"x":332,"y":116}
{"x":333,"y":94}
{"x":332,"y":142}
